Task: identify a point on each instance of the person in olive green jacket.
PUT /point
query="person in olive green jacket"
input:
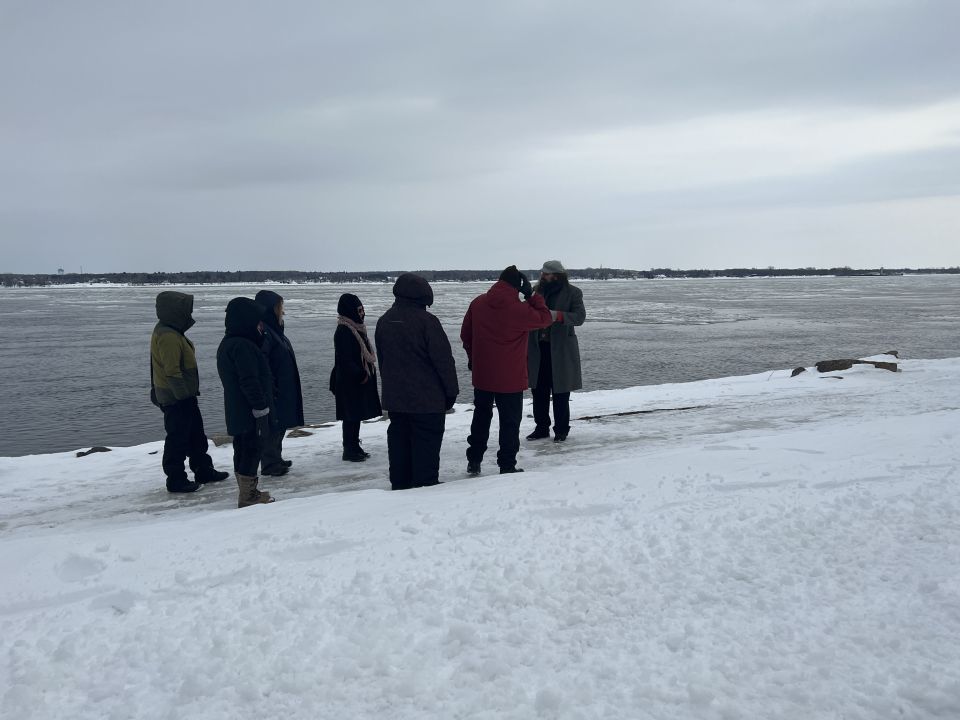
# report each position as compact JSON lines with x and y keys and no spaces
{"x":176,"y":385}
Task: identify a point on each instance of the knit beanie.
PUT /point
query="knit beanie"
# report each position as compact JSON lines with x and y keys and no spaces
{"x":511,"y":276}
{"x":348,"y":306}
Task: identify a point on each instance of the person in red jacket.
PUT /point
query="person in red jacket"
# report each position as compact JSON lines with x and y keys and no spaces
{"x":494,"y":334}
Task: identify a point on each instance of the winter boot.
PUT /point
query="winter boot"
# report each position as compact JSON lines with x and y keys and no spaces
{"x":539,"y":433}
{"x":182,"y":486}
{"x":249,"y":495}
{"x":287,"y":463}
{"x":210,"y":475}
{"x":354,"y":455}
{"x":276,"y":470}
{"x":473,"y":468}
{"x":508,"y":470}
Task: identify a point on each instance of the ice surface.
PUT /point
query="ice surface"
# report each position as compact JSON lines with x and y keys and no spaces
{"x":786,"y":548}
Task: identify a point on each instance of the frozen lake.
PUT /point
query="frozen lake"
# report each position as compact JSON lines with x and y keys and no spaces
{"x":75,"y":360}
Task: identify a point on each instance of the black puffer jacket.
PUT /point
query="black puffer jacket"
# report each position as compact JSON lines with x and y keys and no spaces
{"x":417,"y":369}
{"x":243,"y":368}
{"x":287,"y":393}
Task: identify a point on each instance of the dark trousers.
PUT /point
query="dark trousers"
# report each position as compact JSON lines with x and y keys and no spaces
{"x":413,"y":448}
{"x":246,"y":453}
{"x":541,"y":397}
{"x":509,"y":411}
{"x":351,"y":434}
{"x":272,"y":450}
{"x":185,"y":439}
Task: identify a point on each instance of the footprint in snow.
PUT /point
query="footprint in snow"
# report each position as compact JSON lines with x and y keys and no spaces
{"x":76,"y":568}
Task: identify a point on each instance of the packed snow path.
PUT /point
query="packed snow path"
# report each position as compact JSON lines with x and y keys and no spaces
{"x":788,"y":548}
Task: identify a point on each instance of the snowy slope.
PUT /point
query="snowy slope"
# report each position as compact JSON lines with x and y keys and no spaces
{"x":785,"y":548}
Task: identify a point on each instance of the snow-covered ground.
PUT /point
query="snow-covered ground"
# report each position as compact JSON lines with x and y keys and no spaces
{"x":783,"y":548}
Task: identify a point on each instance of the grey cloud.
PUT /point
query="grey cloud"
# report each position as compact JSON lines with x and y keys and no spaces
{"x":206,"y":126}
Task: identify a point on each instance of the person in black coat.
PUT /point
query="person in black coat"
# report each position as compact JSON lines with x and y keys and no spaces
{"x":419,"y":383}
{"x":287,"y":394}
{"x":354,"y":377}
{"x":247,"y":393}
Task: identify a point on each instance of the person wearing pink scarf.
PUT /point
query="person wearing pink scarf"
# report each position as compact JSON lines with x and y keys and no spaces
{"x":353,"y":379}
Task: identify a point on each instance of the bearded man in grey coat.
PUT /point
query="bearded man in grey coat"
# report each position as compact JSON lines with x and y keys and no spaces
{"x":553,"y":353}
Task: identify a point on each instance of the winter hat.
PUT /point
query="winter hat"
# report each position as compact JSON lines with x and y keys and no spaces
{"x":413,"y":287}
{"x":553,"y":267}
{"x":511,"y":276}
{"x":268,"y":299}
{"x":348,"y":305}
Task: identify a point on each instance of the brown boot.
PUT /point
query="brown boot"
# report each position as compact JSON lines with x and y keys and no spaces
{"x":249,"y":495}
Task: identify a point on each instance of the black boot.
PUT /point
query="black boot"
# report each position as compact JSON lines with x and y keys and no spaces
{"x":287,"y":463}
{"x":275,"y":470}
{"x":507,"y":471}
{"x":182,"y":486}
{"x":354,"y":455}
{"x":539,"y":433}
{"x":209,"y":475}
{"x":473,"y":468}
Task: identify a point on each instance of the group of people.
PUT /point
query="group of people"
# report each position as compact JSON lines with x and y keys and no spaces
{"x":516,"y":336}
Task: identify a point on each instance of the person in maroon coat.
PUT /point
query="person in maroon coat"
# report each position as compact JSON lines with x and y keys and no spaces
{"x":494,"y":334}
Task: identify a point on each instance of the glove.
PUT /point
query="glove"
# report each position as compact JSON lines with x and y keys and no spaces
{"x":525,"y":288}
{"x":450,"y":402}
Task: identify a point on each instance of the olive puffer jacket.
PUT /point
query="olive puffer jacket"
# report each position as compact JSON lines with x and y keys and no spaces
{"x":173,"y":360}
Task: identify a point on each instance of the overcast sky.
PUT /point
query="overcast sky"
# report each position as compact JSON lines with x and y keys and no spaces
{"x":231,"y":134}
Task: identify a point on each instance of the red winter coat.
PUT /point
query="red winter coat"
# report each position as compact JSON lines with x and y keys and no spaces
{"x":494,"y":334}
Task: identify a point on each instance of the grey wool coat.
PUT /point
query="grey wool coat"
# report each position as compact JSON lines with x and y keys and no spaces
{"x":564,"y":346}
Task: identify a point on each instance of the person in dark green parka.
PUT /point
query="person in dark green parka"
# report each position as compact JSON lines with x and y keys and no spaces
{"x":175,"y":385}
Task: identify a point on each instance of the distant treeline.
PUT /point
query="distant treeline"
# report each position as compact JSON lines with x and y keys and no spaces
{"x":254,"y":277}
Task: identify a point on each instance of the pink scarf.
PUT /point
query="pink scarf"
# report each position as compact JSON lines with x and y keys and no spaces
{"x":360,"y":333}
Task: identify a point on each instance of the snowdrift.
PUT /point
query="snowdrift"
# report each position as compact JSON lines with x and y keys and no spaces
{"x":758,"y":547}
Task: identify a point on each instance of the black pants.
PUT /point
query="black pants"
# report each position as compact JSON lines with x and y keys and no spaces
{"x":351,"y":434}
{"x":246,"y":453}
{"x":413,"y":448}
{"x":509,"y":411}
{"x":541,"y":397}
{"x":185,"y":439}
{"x":272,"y":450}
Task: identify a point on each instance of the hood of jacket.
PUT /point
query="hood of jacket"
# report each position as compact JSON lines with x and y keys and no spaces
{"x":269,"y":300}
{"x":502,"y":293}
{"x":414,"y":288}
{"x":175,"y":309}
{"x":243,"y":316}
